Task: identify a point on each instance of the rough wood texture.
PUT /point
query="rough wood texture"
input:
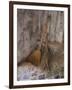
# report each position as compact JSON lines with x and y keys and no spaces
{"x":36,"y":28}
{"x":44,"y":41}
{"x":40,"y":44}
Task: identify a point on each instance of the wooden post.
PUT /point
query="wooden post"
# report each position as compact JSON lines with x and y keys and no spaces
{"x":44,"y":42}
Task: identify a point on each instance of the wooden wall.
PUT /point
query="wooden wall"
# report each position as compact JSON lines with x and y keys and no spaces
{"x":29,"y":29}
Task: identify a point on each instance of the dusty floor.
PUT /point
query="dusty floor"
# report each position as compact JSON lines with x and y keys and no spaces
{"x":28,"y":71}
{"x":31,"y":72}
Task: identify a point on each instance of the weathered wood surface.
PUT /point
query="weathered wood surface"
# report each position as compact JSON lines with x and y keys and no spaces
{"x":30,"y":26}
